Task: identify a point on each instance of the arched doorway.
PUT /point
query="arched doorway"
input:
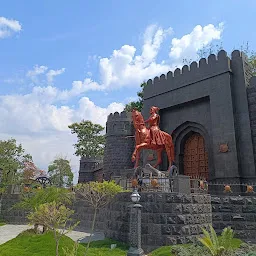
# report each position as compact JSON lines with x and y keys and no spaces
{"x":195,"y":157}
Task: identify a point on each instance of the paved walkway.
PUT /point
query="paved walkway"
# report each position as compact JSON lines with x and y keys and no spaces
{"x":8,"y":232}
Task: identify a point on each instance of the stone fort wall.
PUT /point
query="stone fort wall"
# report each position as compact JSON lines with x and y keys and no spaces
{"x":214,"y":97}
{"x":237,"y":212}
{"x":91,"y":169}
{"x":251,"y":94}
{"x":204,"y":69}
{"x":167,"y":218}
{"x":119,"y":144}
{"x":209,"y":97}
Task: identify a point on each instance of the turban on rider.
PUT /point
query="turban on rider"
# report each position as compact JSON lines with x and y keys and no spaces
{"x":155,"y":109}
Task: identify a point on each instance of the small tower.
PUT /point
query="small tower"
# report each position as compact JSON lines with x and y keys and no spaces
{"x":119,"y":144}
{"x":88,"y":166}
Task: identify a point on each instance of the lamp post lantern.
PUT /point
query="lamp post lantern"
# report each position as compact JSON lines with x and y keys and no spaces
{"x":135,"y":226}
{"x":135,"y":196}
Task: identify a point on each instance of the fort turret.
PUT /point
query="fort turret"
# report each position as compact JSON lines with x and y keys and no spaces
{"x":119,"y":144}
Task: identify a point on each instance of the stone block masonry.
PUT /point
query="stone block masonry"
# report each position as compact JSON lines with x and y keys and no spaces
{"x":167,"y":218}
{"x":91,"y":169}
{"x":251,"y":94}
{"x":208,"y":98}
{"x":215,"y":99}
{"x":237,"y":212}
{"x":8,"y":213}
{"x":119,"y":144}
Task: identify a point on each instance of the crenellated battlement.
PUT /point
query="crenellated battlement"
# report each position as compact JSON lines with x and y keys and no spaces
{"x":88,"y":167}
{"x":119,"y":144}
{"x":122,"y":116}
{"x":197,"y":71}
{"x":119,"y":124}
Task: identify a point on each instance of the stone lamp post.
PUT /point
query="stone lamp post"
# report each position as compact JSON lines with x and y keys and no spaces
{"x":135,"y":226}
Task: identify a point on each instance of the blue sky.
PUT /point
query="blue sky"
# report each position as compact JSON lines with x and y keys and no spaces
{"x":47,"y":45}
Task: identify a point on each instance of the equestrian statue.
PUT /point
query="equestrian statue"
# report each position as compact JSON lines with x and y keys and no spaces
{"x":152,"y":137}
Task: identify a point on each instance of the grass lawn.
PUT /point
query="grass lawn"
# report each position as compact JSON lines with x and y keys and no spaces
{"x":162,"y":251}
{"x":28,"y":243}
{"x":2,"y":224}
{"x":165,"y":250}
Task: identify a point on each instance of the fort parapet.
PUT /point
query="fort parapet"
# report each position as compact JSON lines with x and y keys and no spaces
{"x":213,"y":99}
{"x":91,"y":168}
{"x":119,"y":144}
{"x":210,"y":99}
{"x":214,"y":65}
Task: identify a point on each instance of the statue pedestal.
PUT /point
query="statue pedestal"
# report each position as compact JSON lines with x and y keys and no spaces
{"x":180,"y":184}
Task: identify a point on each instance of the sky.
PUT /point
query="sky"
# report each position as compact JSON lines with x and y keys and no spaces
{"x":65,"y":61}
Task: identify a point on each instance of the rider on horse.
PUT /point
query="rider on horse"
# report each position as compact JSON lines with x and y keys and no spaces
{"x":152,"y":137}
{"x":156,"y":135}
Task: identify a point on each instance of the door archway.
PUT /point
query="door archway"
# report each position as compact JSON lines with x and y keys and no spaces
{"x":195,"y":157}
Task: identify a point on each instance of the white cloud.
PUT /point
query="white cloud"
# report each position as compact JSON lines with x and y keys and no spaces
{"x":125,"y":68}
{"x":14,"y":80}
{"x":130,"y":99}
{"x":52,"y":73}
{"x":44,"y":148}
{"x":52,"y":94}
{"x":41,"y":126}
{"x":153,"y":38}
{"x":32,"y":114}
{"x":36,"y":72}
{"x":188,"y":45}
{"x":8,"y":27}
{"x":39,"y":71}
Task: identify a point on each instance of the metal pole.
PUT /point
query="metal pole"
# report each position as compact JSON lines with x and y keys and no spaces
{"x":135,"y":231}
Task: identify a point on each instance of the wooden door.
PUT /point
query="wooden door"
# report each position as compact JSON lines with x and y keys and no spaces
{"x":195,"y":157}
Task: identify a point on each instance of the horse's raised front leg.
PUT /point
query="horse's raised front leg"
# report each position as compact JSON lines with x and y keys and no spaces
{"x":137,"y":159}
{"x":135,"y":155}
{"x":168,"y":149}
{"x":159,"y":157}
{"x":135,"y":152}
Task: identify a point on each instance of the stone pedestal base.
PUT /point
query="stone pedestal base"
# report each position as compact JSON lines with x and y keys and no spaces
{"x":135,"y":252}
{"x":181,"y":184}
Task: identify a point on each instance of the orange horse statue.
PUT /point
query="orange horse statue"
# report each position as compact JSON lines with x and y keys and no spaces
{"x":152,"y":137}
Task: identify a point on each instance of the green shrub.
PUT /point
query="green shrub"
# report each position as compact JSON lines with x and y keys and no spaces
{"x":190,"y":250}
{"x":97,"y":195}
{"x":251,"y":254}
{"x":245,"y":250}
{"x":32,"y":200}
{"x":218,"y":246}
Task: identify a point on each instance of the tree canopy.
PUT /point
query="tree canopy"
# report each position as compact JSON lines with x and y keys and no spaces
{"x":97,"y":195}
{"x":32,"y":200}
{"x":12,"y":159}
{"x":214,"y":49}
{"x":60,"y":172}
{"x":90,"y":141}
{"x":136,"y":104}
